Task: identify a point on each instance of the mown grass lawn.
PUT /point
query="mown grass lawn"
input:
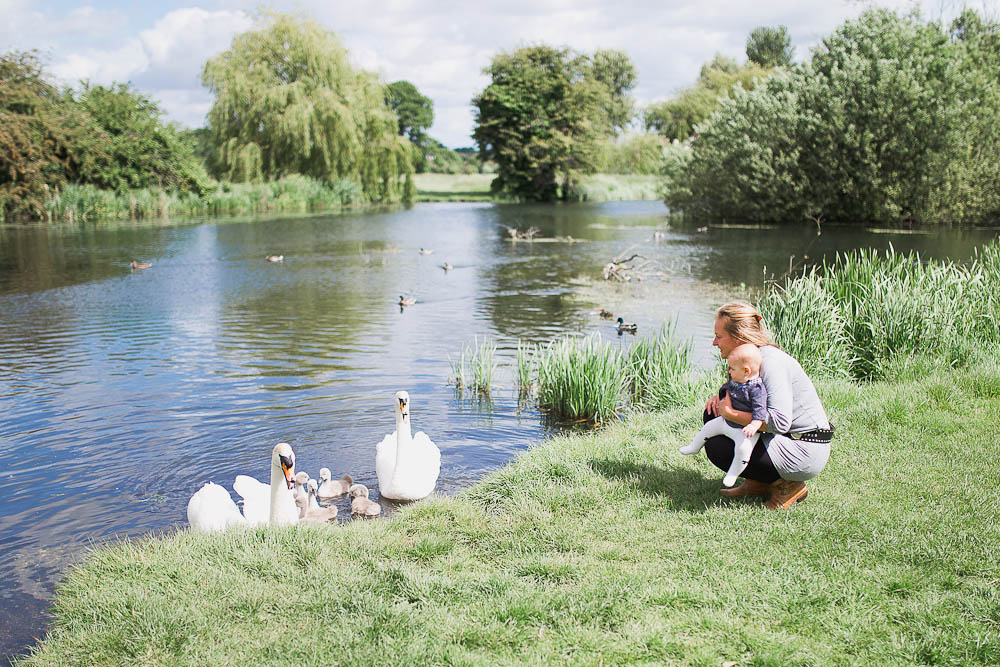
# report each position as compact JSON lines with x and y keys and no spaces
{"x":476,"y":187}
{"x":607,"y":547}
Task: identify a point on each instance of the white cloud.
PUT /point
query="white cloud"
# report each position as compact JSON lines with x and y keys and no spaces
{"x":179,"y":44}
{"x":440,"y":47}
{"x":102,"y":66}
{"x":168,"y":56}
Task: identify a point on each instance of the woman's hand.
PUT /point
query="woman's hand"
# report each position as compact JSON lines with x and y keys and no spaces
{"x":731,"y":414}
{"x":712,"y":406}
{"x":725,"y":408}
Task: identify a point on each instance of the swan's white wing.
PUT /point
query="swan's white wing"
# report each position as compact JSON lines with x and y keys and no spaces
{"x":428,"y":458}
{"x":212,"y":509}
{"x":256,"y":499}
{"x":416,"y":476}
{"x":288,"y":511}
{"x":385,"y":460}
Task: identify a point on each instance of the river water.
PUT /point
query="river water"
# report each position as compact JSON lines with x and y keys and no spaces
{"x":122,"y":391}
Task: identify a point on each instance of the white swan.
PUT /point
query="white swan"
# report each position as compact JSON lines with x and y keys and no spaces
{"x":331,"y":489}
{"x":407,"y":467}
{"x":212,"y":509}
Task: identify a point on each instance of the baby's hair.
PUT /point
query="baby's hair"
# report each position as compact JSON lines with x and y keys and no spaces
{"x":746,"y":354}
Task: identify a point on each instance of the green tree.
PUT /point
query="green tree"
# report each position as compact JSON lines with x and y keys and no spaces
{"x":615,"y":70}
{"x":540,"y":119}
{"x":289,"y":101}
{"x":635,"y":154}
{"x":676,"y":118}
{"x":142,"y":151}
{"x":45,"y":139}
{"x":878,"y":127}
{"x":770,"y":47}
{"x":414,"y":111}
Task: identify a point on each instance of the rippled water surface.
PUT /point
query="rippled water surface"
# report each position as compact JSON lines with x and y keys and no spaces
{"x":122,"y":391}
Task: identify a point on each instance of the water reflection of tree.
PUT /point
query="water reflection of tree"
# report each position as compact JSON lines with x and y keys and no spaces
{"x":312,"y":323}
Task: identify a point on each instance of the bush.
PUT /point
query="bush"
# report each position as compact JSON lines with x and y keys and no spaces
{"x":891,"y":120}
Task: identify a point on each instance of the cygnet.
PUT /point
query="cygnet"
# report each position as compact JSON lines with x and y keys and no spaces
{"x":331,"y":489}
{"x":300,"y":494}
{"x":315,"y":513}
{"x":361,"y":504}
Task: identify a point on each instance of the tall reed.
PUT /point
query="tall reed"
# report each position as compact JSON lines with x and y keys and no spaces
{"x":659,"y":372}
{"x":806,"y":322}
{"x":482,"y":362}
{"x":527,"y":354}
{"x":458,"y":376}
{"x":866,"y":309}
{"x":580,"y":378}
{"x":294,"y":193}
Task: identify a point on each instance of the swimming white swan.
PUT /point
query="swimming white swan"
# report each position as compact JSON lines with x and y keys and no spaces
{"x":407,"y":467}
{"x":212,"y":509}
{"x":331,"y":489}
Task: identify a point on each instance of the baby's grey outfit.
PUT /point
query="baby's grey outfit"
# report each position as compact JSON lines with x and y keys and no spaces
{"x":792,"y":407}
{"x":749,"y":396}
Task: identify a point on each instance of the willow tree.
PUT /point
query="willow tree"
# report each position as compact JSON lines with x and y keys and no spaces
{"x":288,"y":101}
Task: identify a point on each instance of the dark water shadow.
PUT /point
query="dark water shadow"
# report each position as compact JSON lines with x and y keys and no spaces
{"x":682,"y":488}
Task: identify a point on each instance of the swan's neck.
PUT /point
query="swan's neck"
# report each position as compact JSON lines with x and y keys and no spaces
{"x":403,"y":437}
{"x":278,"y":487}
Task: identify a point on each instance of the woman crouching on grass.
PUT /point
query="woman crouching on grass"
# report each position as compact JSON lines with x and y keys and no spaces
{"x":795,"y":443}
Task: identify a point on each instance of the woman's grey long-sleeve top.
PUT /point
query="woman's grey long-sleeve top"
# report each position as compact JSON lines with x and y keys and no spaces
{"x":793,"y":406}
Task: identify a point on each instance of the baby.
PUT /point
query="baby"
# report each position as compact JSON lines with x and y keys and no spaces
{"x":746,"y":392}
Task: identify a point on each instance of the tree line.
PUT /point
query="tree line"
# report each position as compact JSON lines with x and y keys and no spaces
{"x":891,"y":118}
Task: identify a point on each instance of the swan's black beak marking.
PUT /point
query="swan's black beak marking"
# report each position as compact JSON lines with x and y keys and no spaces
{"x":288,"y":467}
{"x":402,"y":407}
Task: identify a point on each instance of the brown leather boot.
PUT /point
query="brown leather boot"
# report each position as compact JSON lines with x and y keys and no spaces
{"x":784,"y":494}
{"x":749,"y":487}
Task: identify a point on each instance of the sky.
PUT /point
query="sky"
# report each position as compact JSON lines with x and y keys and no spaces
{"x":441,"y":47}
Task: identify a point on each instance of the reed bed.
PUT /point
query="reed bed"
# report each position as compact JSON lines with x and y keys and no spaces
{"x":659,"y":373}
{"x":458,"y":374}
{"x":481,"y":357}
{"x":864,"y":311}
{"x":295,"y":193}
{"x":580,"y":378}
{"x":482,"y":361}
{"x":527,"y":369}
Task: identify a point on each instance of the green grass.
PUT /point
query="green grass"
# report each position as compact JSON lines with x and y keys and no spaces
{"x":605,"y":547}
{"x":620,"y":187}
{"x":476,"y":187}
{"x":453,"y":187}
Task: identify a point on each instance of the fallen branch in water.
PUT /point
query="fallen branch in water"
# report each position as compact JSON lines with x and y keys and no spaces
{"x":518,"y":235}
{"x":625,"y":269}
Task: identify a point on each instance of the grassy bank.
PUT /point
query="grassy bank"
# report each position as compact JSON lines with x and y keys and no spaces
{"x":453,"y":187}
{"x":608,"y":546}
{"x":476,"y":187}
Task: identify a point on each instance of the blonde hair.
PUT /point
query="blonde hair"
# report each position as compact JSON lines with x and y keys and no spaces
{"x":743,"y":323}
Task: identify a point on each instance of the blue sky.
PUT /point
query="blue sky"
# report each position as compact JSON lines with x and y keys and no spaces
{"x":439,"y":46}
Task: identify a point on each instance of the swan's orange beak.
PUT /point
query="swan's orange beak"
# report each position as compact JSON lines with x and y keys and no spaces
{"x":288,"y":467}
{"x":402,"y":407}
